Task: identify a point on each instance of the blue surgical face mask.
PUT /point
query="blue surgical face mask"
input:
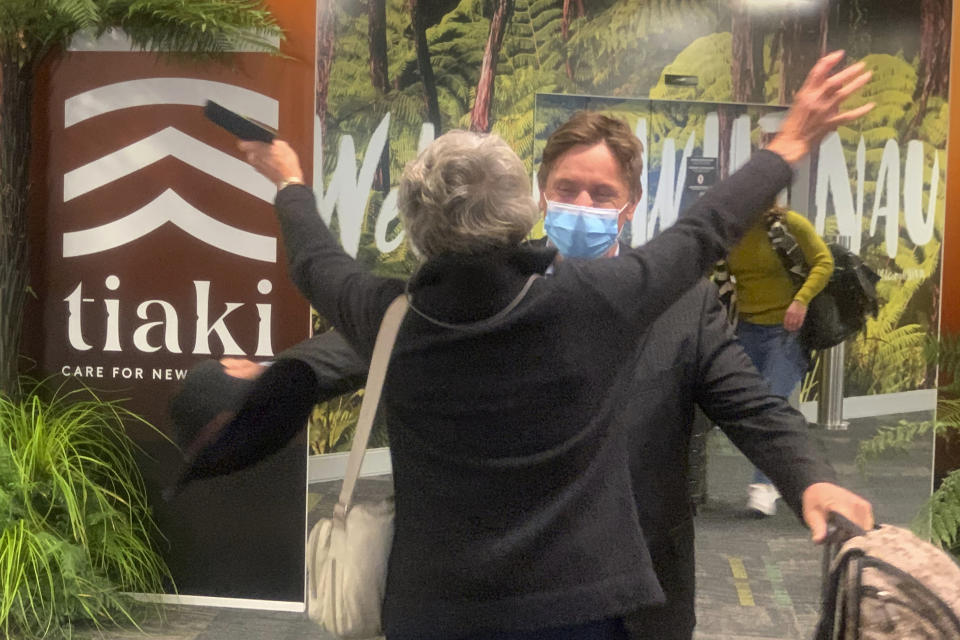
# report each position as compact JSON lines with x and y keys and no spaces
{"x":581,"y":232}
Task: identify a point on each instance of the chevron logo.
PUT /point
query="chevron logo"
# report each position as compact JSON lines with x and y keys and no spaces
{"x":169,"y":142}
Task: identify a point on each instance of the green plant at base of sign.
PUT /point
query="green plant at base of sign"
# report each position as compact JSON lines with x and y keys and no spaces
{"x":76,"y":533}
{"x":31,"y":32}
{"x":939,"y":517}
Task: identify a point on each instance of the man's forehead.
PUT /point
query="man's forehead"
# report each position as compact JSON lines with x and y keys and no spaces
{"x":587,"y":163}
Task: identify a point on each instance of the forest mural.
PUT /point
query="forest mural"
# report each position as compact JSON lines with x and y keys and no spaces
{"x":391,"y":75}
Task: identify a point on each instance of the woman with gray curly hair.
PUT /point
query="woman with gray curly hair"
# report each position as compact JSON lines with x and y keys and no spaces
{"x":515,"y":517}
{"x":466,"y":193}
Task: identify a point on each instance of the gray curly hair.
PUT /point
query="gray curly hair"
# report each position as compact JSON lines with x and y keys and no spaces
{"x":466,"y":193}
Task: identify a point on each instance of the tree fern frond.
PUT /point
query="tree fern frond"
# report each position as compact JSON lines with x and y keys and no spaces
{"x":212,"y":26}
{"x":939,"y":518}
{"x":948,"y":414}
{"x":890,"y":440}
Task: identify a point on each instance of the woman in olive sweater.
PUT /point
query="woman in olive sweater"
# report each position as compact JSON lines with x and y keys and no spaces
{"x":771,"y":311}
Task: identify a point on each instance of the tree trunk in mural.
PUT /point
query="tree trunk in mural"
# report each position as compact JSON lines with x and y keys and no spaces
{"x":326,"y":37}
{"x":746,"y":69}
{"x":933,"y":73}
{"x":377,"y":31}
{"x":565,"y":29}
{"x":480,"y":115}
{"x":725,"y":125}
{"x":16,"y":94}
{"x":379,"y":76}
{"x":803,"y":39}
{"x":424,"y":65}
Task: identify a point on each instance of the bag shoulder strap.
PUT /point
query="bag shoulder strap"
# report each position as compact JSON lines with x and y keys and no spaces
{"x":788,"y":249}
{"x":382,"y":348}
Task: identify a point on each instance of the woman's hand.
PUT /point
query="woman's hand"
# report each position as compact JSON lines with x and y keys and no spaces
{"x":242,"y":368}
{"x":796,"y":314}
{"x":815,"y":111}
{"x":277,"y":161}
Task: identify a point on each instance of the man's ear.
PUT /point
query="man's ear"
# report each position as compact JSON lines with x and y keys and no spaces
{"x":627,"y":214}
{"x":543,"y":204}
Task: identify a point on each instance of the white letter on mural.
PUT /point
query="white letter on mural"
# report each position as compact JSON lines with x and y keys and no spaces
{"x":740,"y":142}
{"x":888,"y":184}
{"x":663,"y":201}
{"x":919,"y":230}
{"x":264,"y":327}
{"x":74,"y":318}
{"x":170,"y":324}
{"x":711,"y":135}
{"x":638,"y":227}
{"x":204,"y":328}
{"x":348,"y":191}
{"x":833,"y":179}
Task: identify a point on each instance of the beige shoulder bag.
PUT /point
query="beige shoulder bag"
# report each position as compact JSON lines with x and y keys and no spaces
{"x":347,"y":554}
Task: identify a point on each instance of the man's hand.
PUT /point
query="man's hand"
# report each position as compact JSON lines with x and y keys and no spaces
{"x":277,"y":161}
{"x":823,"y":497}
{"x":242,"y":368}
{"x":796,"y":313}
{"x":815,"y":111}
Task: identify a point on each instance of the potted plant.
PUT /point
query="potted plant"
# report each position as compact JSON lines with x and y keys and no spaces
{"x":76,"y":532}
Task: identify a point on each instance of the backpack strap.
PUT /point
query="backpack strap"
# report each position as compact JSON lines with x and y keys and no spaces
{"x":726,"y":290}
{"x":787,"y":247}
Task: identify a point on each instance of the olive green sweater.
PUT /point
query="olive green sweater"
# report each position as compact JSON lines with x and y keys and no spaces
{"x":764,"y":289}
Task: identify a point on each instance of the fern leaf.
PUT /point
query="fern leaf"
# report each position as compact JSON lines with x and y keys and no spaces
{"x":890,"y":440}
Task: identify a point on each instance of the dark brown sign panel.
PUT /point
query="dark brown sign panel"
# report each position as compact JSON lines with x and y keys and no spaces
{"x":160,"y":249}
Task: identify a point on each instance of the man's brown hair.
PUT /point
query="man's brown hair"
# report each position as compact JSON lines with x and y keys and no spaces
{"x":590,"y":128}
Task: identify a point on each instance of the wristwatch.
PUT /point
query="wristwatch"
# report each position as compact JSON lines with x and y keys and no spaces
{"x":286,"y":182}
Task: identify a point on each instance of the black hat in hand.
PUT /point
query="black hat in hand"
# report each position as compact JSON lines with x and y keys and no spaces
{"x":225,"y":424}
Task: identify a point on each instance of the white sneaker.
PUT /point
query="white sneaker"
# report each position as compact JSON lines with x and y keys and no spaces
{"x":762,"y":499}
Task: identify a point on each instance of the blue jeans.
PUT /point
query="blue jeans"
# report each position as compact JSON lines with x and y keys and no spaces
{"x":778,"y":356}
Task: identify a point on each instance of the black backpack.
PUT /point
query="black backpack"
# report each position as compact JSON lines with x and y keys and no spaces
{"x":841,"y":309}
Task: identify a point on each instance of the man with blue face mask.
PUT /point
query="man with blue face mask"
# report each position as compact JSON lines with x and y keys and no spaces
{"x":589,"y":182}
{"x":590,"y":186}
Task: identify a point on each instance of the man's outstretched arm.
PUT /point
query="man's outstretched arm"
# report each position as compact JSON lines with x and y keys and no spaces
{"x":772,"y":434}
{"x":338,"y":368}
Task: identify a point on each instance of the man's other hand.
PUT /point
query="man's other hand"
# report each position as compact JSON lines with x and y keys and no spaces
{"x":823,"y":497}
{"x":242,"y":368}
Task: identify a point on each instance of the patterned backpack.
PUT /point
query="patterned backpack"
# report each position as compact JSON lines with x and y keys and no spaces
{"x":888,"y":584}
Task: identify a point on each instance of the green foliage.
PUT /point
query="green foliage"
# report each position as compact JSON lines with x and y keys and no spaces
{"x":76,"y":533}
{"x":533,"y":56}
{"x":330,"y":425}
{"x":939,"y":519}
{"x":709,"y":59}
{"x":621,"y":49}
{"x":333,"y":423}
{"x":888,"y":355}
{"x":890,"y":441}
{"x":29,"y":30}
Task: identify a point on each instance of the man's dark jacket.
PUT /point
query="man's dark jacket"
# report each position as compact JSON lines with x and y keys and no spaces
{"x":690,"y":357}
